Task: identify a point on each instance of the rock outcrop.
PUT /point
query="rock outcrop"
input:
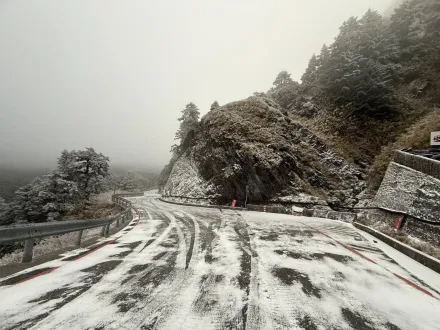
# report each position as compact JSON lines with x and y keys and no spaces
{"x":251,"y":142}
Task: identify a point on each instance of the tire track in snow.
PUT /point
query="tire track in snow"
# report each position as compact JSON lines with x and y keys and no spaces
{"x":256,"y":316}
{"x":189,"y":233}
{"x":180,"y":309}
{"x":105,"y":287}
{"x":208,"y":298}
{"x":157,"y":309}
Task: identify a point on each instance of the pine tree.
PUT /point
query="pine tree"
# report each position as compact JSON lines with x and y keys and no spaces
{"x":215,"y":105}
{"x":86,"y":168}
{"x":27,"y":204}
{"x":416,"y":25}
{"x":357,"y":69}
{"x":283,"y":79}
{"x":45,"y":199}
{"x":188,"y":121}
{"x":113,"y":182}
{"x":58,"y":195}
{"x":371,"y":32}
{"x":310,"y":75}
{"x":128,"y":182}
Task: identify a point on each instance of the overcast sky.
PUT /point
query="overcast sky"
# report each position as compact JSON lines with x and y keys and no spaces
{"x":115,"y":75}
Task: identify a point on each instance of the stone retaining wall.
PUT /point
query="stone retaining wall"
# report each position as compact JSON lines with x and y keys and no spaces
{"x":405,"y":190}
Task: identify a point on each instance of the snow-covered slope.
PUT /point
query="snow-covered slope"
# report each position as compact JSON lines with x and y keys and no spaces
{"x":185,"y":180}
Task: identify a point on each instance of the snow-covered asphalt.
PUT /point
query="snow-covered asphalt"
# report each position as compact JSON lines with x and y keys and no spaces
{"x":180,"y":267}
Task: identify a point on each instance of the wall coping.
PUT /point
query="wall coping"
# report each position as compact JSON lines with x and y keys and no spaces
{"x":418,"y":163}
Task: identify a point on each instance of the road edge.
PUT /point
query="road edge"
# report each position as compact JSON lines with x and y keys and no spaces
{"x":418,"y":256}
{"x":203,"y":205}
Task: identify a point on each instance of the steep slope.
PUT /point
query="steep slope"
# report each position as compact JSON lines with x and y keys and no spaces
{"x":184,"y":179}
{"x":252,"y":142}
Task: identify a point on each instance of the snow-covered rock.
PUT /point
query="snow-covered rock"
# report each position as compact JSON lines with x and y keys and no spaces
{"x":246,"y":143}
{"x":185,"y":180}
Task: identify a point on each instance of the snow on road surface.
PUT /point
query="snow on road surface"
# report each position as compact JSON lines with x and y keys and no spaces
{"x":194,"y":268}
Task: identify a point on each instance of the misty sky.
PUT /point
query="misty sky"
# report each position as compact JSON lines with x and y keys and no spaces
{"x":115,"y":75}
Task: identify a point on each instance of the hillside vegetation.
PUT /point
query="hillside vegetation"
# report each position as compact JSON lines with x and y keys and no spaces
{"x":375,"y":89}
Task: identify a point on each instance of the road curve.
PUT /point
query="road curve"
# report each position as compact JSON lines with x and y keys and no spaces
{"x":177,"y":267}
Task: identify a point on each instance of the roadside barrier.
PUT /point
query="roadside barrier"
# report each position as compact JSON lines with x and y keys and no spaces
{"x":30,"y":232}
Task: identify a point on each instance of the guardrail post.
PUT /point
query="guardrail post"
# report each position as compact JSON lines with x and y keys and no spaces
{"x":107,"y":230}
{"x":28,"y":247}
{"x":123,"y":218}
{"x":117,"y":222}
{"x":103,"y":230}
{"x":78,"y":238}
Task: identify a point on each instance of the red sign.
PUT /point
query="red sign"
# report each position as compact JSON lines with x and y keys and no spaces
{"x":399,"y":222}
{"x":233,"y":203}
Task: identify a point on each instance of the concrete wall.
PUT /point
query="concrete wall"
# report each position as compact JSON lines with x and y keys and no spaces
{"x":411,"y":192}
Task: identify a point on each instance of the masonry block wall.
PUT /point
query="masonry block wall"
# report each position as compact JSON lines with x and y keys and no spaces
{"x":411,"y":192}
{"x":411,"y":186}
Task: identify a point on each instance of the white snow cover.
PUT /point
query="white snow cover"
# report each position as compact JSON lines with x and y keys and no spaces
{"x":422,"y":272}
{"x":185,"y":180}
{"x":182,"y":266}
{"x":358,"y":286}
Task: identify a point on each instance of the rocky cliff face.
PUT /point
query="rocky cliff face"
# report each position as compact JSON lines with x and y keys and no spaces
{"x":251,"y":142}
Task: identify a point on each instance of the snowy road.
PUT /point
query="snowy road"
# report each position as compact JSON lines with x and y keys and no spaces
{"x":180,"y":267}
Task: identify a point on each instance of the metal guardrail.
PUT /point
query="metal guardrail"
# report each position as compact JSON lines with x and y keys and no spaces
{"x":29,"y":232}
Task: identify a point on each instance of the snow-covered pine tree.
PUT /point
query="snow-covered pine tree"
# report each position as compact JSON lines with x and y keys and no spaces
{"x":27,"y":204}
{"x":113,"y":182}
{"x":45,"y":199}
{"x":310,"y":75}
{"x":58,"y":195}
{"x":283,"y":79}
{"x":188,"y":121}
{"x":86,"y":168}
{"x":128,"y":182}
{"x":215,"y":105}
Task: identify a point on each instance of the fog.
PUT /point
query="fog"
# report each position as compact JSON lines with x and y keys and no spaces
{"x":114,"y":75}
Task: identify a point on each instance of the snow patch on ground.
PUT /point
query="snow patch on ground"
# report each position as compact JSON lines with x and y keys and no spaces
{"x":422,"y":272}
{"x":300,"y":198}
{"x":306,"y":275}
